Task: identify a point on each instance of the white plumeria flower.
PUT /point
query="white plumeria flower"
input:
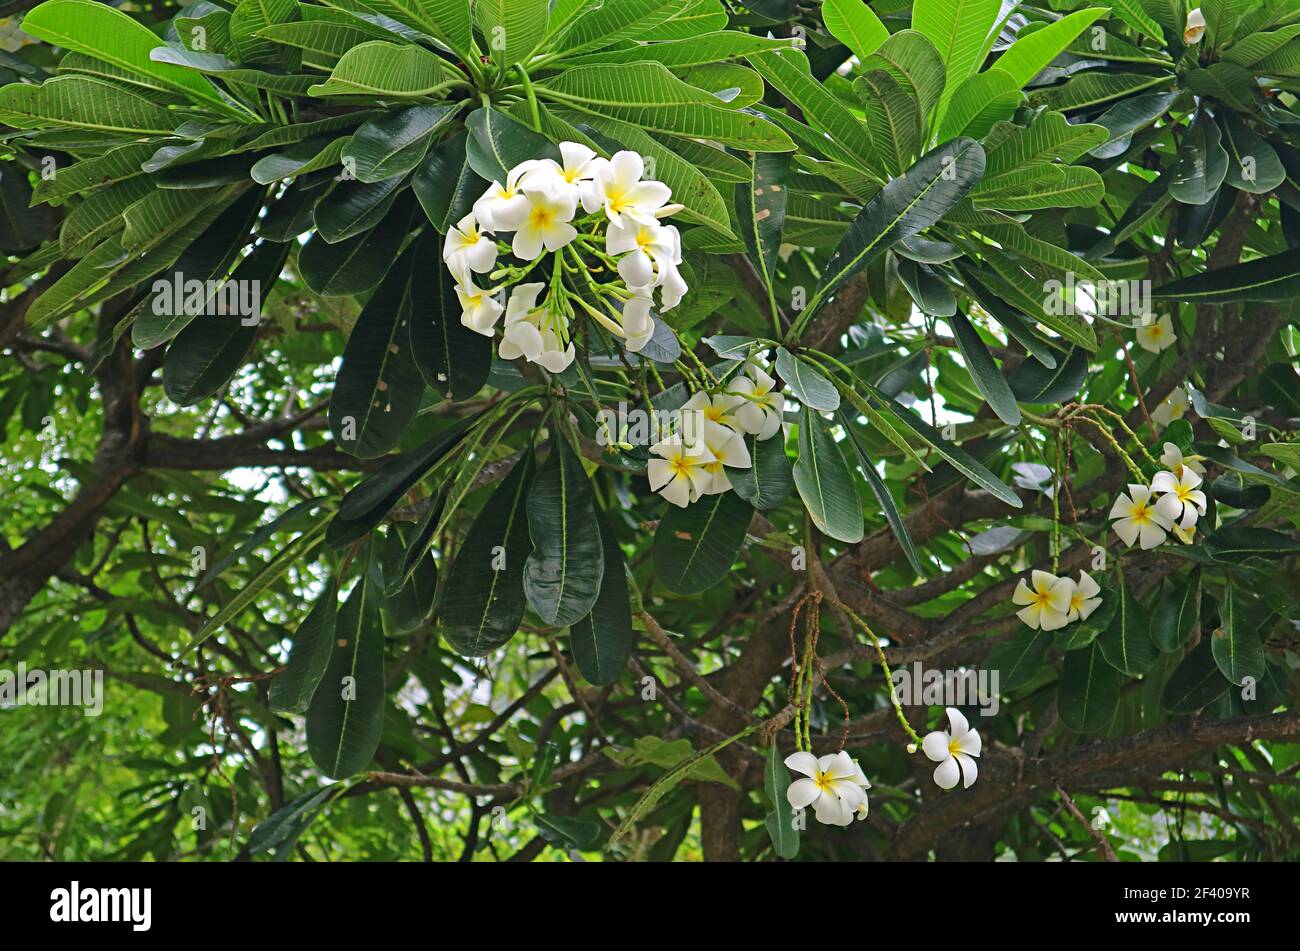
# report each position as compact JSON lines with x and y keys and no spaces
{"x":1181,"y":500}
{"x":577,"y":164}
{"x":479,"y":308}
{"x":679,"y":474}
{"x":647,"y":250}
{"x":503,"y":207}
{"x":728,"y":449}
{"x":1174,"y":406}
{"x":955,"y":750}
{"x":469,"y":248}
{"x":1083,"y":599}
{"x":533,"y":332}
{"x":761,"y":412}
{"x":717,"y":407}
{"x":1138,"y":518}
{"x":1158,"y":335}
{"x":1046,"y":601}
{"x":545,"y":225}
{"x":834,"y":786}
{"x":672,"y":286}
{"x":638,"y":323}
{"x":1195,"y":27}
{"x":618,"y":189}
{"x":1173,"y":459}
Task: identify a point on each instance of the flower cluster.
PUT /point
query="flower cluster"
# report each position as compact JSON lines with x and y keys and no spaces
{"x":1172,"y":503}
{"x":835,"y":787}
{"x":1050,"y":602}
{"x":538,"y":206}
{"x":692,"y":461}
{"x":955,"y":750}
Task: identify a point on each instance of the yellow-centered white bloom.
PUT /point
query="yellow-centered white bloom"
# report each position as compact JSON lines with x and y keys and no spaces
{"x":546,"y":225}
{"x":717,"y":407}
{"x":1195,"y":27}
{"x":577,"y":164}
{"x":1138,"y":518}
{"x":729,"y":450}
{"x":834,"y":786}
{"x":1046,"y":600}
{"x":762,"y":408}
{"x":479,"y":308}
{"x":955,"y":750}
{"x":648,"y":250}
{"x":617,"y":188}
{"x":503,"y":207}
{"x":1157,"y":335}
{"x":1173,"y":459}
{"x":1174,"y":406}
{"x":679,"y":474}
{"x":535,"y":333}
{"x":1083,"y":599}
{"x":1181,"y":500}
{"x":469,"y":247}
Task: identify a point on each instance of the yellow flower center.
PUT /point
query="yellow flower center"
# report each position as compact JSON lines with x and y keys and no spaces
{"x":680,"y":464}
{"x":953,"y":747}
{"x":541,"y":217}
{"x":644,"y":238}
{"x":823,"y":781}
{"x":617,"y":199}
{"x":1140,"y":513}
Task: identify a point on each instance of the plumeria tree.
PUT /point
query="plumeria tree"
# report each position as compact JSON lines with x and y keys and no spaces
{"x":655,"y":429}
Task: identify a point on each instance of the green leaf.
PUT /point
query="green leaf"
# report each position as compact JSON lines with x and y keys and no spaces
{"x":769,"y":480}
{"x":805,"y":382}
{"x":380,"y":491}
{"x":1235,"y":643}
{"x":649,"y":96}
{"x":354,"y":266}
{"x":453,"y":359}
{"x":353,"y":207}
{"x":379,"y":385}
{"x":882,"y":493}
{"x":1031,"y":53}
{"x":497,"y":143}
{"x":695,"y":547}
{"x":984,"y":370}
{"x":1202,"y":163}
{"x":562,"y":576}
{"x":903,"y":208}
{"x":396,"y":142}
{"x":760,"y":212}
{"x":445,"y":20}
{"x":1126,"y":643}
{"x":285,"y":826}
{"x":825,"y":482}
{"x":108,"y":34}
{"x":776,"y":780}
{"x":1195,"y":683}
{"x":292,"y":689}
{"x":210,"y":350}
{"x":345,"y":719}
{"x":789,"y":72}
{"x":894,"y":119}
{"x":1089,"y":690}
{"x":959,"y":32}
{"x":1272,"y":279}
{"x":979,"y":102}
{"x":1019,"y":659}
{"x":484,"y":601}
{"x":381,"y":68}
{"x":603,"y":639}
{"x":1176,"y":616}
{"x":1032,"y":382}
{"x":512,"y":28}
{"x":853,"y":24}
{"x":1253,"y":164}
{"x":84,"y":103}
{"x":445,"y":184}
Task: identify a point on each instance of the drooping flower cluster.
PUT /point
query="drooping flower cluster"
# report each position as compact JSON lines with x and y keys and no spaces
{"x":1146,"y":515}
{"x":1050,"y":603}
{"x":538,"y":205}
{"x":693,"y":459}
{"x":835,"y":787}
{"x":955,"y":750}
